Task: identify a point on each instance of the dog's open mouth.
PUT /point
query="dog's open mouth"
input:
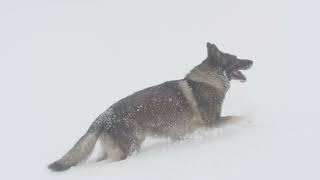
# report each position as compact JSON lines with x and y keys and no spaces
{"x":236,"y":74}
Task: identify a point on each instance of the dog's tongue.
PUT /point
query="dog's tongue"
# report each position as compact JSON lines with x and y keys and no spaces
{"x":237,"y":75}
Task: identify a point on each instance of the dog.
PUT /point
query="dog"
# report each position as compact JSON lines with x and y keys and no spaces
{"x":172,"y":109}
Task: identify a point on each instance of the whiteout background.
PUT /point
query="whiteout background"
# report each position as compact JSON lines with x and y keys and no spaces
{"x":64,"y":62}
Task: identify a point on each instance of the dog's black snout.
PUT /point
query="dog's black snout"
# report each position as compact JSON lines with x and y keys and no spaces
{"x":248,"y":63}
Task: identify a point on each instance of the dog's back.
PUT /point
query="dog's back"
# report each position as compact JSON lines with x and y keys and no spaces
{"x":162,"y":110}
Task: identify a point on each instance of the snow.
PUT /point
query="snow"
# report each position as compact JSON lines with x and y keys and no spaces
{"x":62,"y":63}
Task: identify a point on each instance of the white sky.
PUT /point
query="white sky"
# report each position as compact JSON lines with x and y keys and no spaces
{"x":64,"y":62}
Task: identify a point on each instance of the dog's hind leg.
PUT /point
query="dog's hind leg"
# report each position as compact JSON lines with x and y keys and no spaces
{"x":129,"y":143}
{"x":103,"y":142}
{"x":110,"y":148}
{"x":117,"y":145}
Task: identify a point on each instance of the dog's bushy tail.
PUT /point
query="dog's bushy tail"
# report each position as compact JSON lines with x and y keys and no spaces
{"x":80,"y":151}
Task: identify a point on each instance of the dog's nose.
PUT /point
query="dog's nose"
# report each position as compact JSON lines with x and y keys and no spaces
{"x":249,"y":62}
{"x":246,"y":64}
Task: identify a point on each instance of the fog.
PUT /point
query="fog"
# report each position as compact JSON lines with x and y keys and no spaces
{"x":62,"y":63}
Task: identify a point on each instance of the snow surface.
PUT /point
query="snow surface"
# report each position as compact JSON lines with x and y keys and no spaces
{"x":64,"y":62}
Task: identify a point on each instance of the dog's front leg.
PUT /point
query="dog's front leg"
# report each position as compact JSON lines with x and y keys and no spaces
{"x":228,"y":119}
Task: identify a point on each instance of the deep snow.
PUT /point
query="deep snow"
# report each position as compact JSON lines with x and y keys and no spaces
{"x":62,"y":63}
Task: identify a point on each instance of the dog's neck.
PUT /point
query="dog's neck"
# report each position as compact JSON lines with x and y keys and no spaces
{"x":212,"y":77}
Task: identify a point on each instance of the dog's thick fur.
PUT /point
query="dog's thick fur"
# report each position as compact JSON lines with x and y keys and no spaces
{"x":172,"y":109}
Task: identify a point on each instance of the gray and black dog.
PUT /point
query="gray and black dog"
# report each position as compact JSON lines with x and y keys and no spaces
{"x":172,"y":109}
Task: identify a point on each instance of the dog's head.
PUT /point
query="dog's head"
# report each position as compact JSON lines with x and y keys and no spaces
{"x":229,"y":64}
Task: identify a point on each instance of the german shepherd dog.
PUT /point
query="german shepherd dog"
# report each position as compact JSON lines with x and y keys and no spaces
{"x":172,"y":109}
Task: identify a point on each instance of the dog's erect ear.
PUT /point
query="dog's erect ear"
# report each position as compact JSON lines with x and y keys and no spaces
{"x":212,"y":50}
